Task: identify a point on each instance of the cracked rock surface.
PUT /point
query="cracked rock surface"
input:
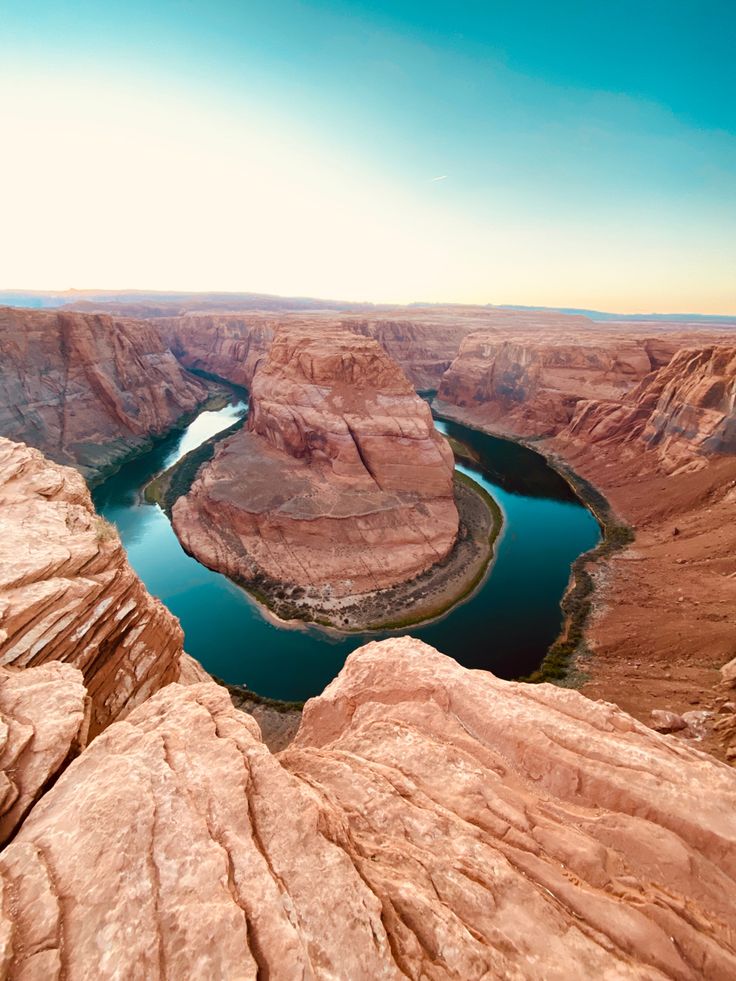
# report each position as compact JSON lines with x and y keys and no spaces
{"x":427,"y":822}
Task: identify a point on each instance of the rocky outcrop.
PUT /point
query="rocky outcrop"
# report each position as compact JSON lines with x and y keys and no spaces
{"x":340,"y":483}
{"x":228,"y":346}
{"x":88,"y":389}
{"x":44,"y":719}
{"x":68,"y":594}
{"x":662,"y":452}
{"x":685,"y":411}
{"x":427,"y":822}
{"x":531,"y":384}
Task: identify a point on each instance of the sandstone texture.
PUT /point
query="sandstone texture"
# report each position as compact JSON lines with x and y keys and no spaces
{"x":661,"y":448}
{"x":427,"y":822}
{"x":68,"y":594}
{"x":340,"y":482}
{"x":44,"y":720}
{"x":88,"y":389}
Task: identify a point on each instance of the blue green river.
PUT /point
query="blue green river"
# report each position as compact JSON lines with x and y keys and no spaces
{"x":506,"y":626}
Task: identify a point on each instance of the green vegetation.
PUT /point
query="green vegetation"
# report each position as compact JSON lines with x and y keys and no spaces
{"x":105,"y":531}
{"x":577,"y":602}
{"x":241,"y":693}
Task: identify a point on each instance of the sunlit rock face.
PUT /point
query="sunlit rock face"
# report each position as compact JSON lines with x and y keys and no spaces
{"x":427,"y":822}
{"x":531,"y":383}
{"x":340,"y":479}
{"x":68,"y":594}
{"x":88,"y":389}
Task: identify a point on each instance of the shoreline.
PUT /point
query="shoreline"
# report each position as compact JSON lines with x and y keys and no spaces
{"x":560,"y":663}
{"x":440,"y":589}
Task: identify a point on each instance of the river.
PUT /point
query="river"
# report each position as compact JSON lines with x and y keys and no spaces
{"x":505,"y":627}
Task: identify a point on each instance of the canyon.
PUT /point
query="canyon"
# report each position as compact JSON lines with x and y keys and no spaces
{"x":649,"y":422}
{"x":339,"y":486}
{"x":417,"y":818}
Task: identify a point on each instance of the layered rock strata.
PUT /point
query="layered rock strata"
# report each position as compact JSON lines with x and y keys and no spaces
{"x":68,"y":594}
{"x":662,"y":451}
{"x":428,"y":822}
{"x":88,"y":389}
{"x":340,"y":484}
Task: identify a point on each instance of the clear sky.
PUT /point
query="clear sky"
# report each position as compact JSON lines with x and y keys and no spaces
{"x":552,"y":152}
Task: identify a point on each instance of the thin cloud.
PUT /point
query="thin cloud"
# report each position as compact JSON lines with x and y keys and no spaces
{"x":442,"y":177}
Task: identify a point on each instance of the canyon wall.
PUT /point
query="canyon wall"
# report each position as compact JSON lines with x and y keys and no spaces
{"x":422,"y":340}
{"x":88,"y":389}
{"x":427,"y":822}
{"x":658,"y":441}
{"x":68,"y":594}
{"x":340,"y":481}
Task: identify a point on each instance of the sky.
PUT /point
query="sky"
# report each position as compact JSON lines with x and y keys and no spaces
{"x":568,"y":153}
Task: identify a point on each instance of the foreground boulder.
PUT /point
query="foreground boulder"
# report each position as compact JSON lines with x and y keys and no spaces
{"x":427,"y":822}
{"x":44,"y":720}
{"x":340,"y":482}
{"x":88,"y":389}
{"x":68,"y":594}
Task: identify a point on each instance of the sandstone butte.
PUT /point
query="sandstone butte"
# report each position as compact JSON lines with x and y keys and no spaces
{"x":88,"y":390}
{"x":651,"y":422}
{"x":340,"y":483}
{"x":67,"y":593}
{"x":427,"y":822}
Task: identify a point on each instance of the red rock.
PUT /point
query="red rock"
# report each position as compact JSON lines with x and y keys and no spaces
{"x":340,"y":482}
{"x":429,"y":822}
{"x":44,"y":719}
{"x":68,"y":594}
{"x":88,"y":389}
{"x":663,"y":721}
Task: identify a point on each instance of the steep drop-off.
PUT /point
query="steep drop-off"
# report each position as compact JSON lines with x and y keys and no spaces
{"x":427,"y":822}
{"x":661,"y":449}
{"x":68,"y":594}
{"x":340,"y":485}
{"x":87,"y":389}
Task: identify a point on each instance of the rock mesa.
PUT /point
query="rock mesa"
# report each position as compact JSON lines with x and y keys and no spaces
{"x":340,"y":483}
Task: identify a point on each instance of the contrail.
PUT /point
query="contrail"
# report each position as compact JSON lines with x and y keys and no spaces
{"x":442,"y":177}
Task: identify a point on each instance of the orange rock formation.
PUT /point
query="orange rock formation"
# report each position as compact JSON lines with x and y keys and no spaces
{"x":68,"y":594}
{"x":340,"y":482}
{"x":88,"y":389}
{"x":427,"y":822}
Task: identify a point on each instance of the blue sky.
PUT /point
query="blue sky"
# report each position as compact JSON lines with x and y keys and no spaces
{"x":587,"y":151}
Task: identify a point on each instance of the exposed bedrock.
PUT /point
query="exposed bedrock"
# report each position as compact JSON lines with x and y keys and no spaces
{"x":428,"y":822}
{"x":68,"y":594}
{"x":663,"y":453}
{"x":340,"y":481}
{"x":44,"y":721}
{"x":88,"y":389}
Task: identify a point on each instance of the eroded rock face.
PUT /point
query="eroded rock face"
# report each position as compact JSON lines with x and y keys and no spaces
{"x":531,"y":384}
{"x":88,"y":389}
{"x":662,"y":452}
{"x":685,"y":411}
{"x":429,"y":821}
{"x":44,"y":720}
{"x":67,"y":592}
{"x":340,"y":481}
